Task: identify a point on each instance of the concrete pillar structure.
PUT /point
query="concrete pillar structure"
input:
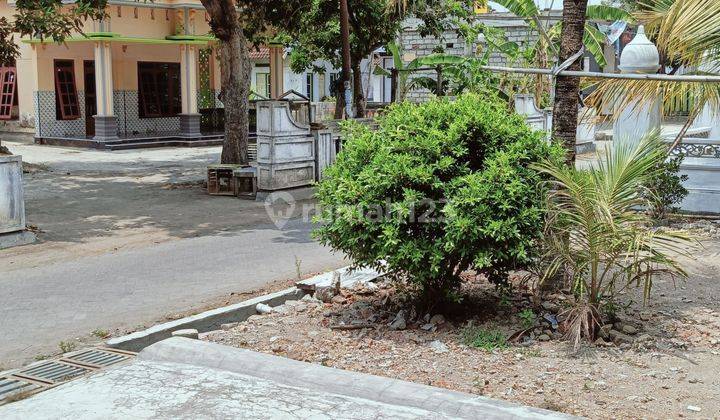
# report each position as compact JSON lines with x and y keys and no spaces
{"x":189,"y":118}
{"x":105,"y":120}
{"x":637,"y":120}
{"x":277,"y":63}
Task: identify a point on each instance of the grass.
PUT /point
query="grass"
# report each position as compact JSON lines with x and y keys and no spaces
{"x":485,"y":339}
{"x":67,"y":346}
{"x":100,"y":333}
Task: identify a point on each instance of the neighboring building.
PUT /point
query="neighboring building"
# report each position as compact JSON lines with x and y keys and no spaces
{"x":149,"y":71}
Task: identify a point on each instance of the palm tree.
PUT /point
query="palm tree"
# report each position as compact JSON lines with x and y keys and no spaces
{"x":596,"y":236}
{"x":564,"y":39}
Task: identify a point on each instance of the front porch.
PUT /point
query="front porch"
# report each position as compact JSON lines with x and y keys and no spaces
{"x":112,"y":92}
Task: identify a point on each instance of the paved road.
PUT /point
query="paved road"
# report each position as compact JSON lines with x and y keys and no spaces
{"x":40,"y":306}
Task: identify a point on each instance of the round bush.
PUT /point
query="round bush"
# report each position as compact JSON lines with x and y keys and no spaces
{"x":437,"y":189}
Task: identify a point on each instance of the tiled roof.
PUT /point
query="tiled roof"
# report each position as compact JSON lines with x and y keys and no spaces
{"x":260,"y":53}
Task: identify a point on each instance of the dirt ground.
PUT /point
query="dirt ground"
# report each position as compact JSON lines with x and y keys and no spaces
{"x":667,"y":366}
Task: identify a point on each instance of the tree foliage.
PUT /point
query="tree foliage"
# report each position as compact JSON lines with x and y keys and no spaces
{"x":437,"y":189}
{"x":373,"y":24}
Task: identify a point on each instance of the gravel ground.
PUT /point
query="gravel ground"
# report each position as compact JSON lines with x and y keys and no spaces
{"x":664,"y":364}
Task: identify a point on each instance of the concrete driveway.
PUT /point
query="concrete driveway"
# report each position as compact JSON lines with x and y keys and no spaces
{"x":130,"y":238}
{"x":187,"y":379}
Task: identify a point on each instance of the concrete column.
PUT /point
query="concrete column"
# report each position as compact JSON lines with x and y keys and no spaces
{"x":276,"y":71}
{"x":105,"y":120}
{"x":189,"y":118}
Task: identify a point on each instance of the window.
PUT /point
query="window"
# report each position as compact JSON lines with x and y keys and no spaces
{"x":310,"y":85}
{"x":159,"y":89}
{"x":66,"y":97}
{"x":262,"y":84}
{"x":8,"y":92}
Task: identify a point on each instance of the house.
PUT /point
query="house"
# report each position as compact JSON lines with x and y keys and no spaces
{"x":147,"y":73}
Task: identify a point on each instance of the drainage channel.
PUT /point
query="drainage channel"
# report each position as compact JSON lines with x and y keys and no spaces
{"x":21,"y":383}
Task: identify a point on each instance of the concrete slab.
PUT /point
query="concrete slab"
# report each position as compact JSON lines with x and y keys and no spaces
{"x":183,"y":378}
{"x":19,"y":238}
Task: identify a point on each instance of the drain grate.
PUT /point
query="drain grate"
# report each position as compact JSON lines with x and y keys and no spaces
{"x":52,"y":372}
{"x":97,"y":358}
{"x":10,"y":387}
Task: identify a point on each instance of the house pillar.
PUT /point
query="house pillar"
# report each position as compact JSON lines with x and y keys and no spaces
{"x":276,"y":71}
{"x":189,"y":118}
{"x":105,"y":120}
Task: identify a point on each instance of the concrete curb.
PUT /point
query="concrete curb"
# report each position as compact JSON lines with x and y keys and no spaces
{"x":446,"y":403}
{"x":214,"y":318}
{"x":203,"y":322}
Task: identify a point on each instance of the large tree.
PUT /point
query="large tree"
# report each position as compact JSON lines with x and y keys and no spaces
{"x":373,"y":23}
{"x":238,"y":25}
{"x":565,"y":109}
{"x":49,"y":19}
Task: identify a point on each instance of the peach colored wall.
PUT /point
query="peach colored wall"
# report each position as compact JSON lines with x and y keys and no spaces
{"x":48,"y":53}
{"x":125,"y":62}
{"x":35,"y":64}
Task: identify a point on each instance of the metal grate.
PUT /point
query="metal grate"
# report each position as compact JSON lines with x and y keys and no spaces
{"x":14,"y":386}
{"x":53,"y":372}
{"x":96,"y":358}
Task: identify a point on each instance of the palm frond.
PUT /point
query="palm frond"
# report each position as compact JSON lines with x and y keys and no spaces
{"x":608,"y":13}
{"x":685,"y":30}
{"x":594,"y":229}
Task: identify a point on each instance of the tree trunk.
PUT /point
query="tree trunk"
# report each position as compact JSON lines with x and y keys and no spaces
{"x":234,"y":78}
{"x":339,"y":101}
{"x":358,"y":96}
{"x":565,"y":110}
{"x":345,"y":39}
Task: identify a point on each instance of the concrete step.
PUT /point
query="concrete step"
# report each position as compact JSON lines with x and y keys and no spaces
{"x":164,"y":143}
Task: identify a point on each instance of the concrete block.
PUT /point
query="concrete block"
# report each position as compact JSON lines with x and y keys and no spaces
{"x":12,"y":202}
{"x":21,"y":237}
{"x":186,"y":333}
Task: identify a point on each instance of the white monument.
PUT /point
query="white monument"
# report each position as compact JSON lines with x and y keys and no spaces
{"x":637,"y":120}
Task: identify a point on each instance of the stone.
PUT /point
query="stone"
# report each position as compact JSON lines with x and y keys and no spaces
{"x":399,"y":322}
{"x":186,"y":333}
{"x":310,"y":298}
{"x":629,"y":329}
{"x":602,"y":343}
{"x":544,"y":337}
{"x":694,"y":408}
{"x":437,"y":319}
{"x":263,"y":309}
{"x":339,"y":299}
{"x":619,"y":337}
{"x":427,"y":327}
{"x":551,"y":307}
{"x":438,"y":346}
{"x":229,"y":326}
{"x":645,"y":316}
{"x":325,"y":294}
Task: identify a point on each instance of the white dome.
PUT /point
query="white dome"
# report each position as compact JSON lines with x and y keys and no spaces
{"x":640,"y":55}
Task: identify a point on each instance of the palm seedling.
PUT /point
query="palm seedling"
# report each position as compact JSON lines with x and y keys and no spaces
{"x":596,"y":236}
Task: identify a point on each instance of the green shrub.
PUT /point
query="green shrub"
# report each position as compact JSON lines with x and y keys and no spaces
{"x":437,"y":189}
{"x":481,"y":338}
{"x":665,"y":190}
